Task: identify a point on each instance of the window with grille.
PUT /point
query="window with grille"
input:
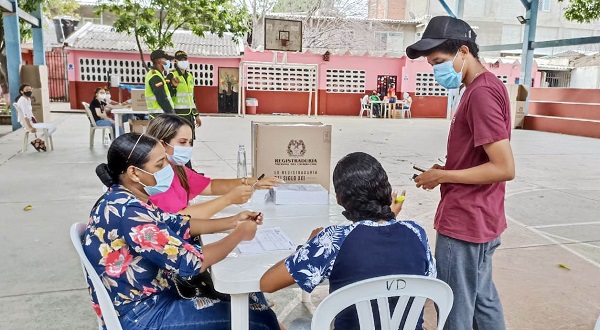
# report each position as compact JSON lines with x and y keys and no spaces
{"x":346,"y":81}
{"x":281,"y":78}
{"x":133,"y":72}
{"x":427,"y":86}
{"x":558,"y":79}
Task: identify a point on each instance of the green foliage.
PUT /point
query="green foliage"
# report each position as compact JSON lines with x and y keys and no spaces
{"x":53,"y":8}
{"x":153,"y":22}
{"x":582,"y":11}
{"x":295,"y":6}
{"x":50,"y":9}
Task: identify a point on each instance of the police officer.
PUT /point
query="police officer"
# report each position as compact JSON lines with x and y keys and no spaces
{"x":158,"y":89}
{"x":182,"y":81}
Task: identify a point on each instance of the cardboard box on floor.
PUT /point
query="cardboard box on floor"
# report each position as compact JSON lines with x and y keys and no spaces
{"x":293,"y":152}
{"x":138,"y":126}
{"x":37,"y":77}
{"x":138,"y":100}
{"x":517,"y":94}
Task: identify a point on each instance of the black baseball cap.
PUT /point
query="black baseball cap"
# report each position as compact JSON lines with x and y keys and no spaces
{"x":159,"y":53}
{"x":181,"y":55}
{"x":440,"y":29}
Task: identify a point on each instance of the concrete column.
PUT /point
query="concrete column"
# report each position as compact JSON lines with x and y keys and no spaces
{"x":39,"y":54}
{"x":527,"y":56}
{"x":12,"y":38}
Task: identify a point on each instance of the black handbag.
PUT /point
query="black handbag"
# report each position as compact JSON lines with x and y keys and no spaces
{"x":197,"y":286}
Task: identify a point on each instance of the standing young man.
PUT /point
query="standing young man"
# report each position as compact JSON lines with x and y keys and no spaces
{"x":470,"y":217}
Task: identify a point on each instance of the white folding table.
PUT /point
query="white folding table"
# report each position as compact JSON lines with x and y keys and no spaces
{"x":239,"y":275}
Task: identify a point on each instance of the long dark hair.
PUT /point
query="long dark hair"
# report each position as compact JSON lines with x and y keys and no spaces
{"x":362,"y":188}
{"x":164,"y":128}
{"x":130,"y":149}
{"x":21,"y":88}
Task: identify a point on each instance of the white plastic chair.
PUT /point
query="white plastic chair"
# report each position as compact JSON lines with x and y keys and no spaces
{"x":94,"y":127}
{"x":406,"y":112}
{"x":47,"y":137}
{"x":382,"y":288}
{"x":106,"y":306}
{"x":365,"y":107}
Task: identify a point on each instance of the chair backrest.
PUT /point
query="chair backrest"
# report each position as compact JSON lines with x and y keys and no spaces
{"x":381,"y":288}
{"x":363,"y":101}
{"x":21,"y":116}
{"x":106,"y":306}
{"x":88,"y":112}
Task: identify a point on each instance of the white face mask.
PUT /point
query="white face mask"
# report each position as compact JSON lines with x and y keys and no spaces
{"x":107,"y":97}
{"x":102,"y":96}
{"x":183,"y":65}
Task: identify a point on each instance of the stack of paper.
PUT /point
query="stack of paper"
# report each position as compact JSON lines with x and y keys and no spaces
{"x":267,"y":240}
{"x":300,"y":194}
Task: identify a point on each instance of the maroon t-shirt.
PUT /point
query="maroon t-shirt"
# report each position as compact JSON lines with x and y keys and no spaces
{"x":475,"y":213}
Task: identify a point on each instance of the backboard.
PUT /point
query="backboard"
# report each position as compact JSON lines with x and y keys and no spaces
{"x":283,"y":35}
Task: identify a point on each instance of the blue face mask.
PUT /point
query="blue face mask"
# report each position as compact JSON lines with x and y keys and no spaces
{"x":164,"y":178}
{"x":446,"y":76}
{"x":181,"y":155}
{"x":167,"y":65}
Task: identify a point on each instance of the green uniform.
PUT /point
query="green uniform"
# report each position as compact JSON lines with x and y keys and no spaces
{"x":183,"y":97}
{"x":158,"y":93}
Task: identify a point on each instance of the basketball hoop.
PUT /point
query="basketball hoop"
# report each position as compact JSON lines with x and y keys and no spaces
{"x":284,"y":37}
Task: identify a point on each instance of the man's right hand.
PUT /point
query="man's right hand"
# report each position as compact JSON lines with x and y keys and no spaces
{"x":240,"y":194}
{"x":437,"y":167}
{"x":246,"y":230}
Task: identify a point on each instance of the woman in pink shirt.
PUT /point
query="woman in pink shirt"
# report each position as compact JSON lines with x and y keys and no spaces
{"x":176,"y":136}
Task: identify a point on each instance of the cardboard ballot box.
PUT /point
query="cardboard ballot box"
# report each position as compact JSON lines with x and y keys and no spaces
{"x":293,"y":152}
{"x":517,"y":95}
{"x":37,"y":77}
{"x":138,"y":100}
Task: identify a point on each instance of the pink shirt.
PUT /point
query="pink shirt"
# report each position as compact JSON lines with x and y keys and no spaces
{"x":475,"y":213}
{"x":175,"y":199}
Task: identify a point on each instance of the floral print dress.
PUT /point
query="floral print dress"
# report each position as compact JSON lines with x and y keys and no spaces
{"x":135,"y":248}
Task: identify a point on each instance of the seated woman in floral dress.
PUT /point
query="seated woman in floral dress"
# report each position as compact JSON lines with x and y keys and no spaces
{"x":137,"y":249}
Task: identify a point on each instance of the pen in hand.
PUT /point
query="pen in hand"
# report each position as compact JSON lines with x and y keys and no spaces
{"x":259,"y":178}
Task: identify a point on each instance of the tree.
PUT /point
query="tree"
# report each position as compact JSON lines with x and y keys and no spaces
{"x":51,"y":8}
{"x":153,"y":22}
{"x":582,"y":11}
{"x":326,"y":23}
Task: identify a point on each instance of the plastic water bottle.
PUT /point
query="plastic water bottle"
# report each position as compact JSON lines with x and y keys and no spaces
{"x":242,"y":170}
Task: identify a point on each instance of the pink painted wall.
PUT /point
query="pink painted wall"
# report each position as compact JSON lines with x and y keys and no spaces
{"x":75,"y":55}
{"x":373,"y":66}
{"x":513,"y":71}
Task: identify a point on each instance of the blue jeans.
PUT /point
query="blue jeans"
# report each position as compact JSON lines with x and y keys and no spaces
{"x":467,"y":268}
{"x":106,"y":122}
{"x":167,"y":311}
